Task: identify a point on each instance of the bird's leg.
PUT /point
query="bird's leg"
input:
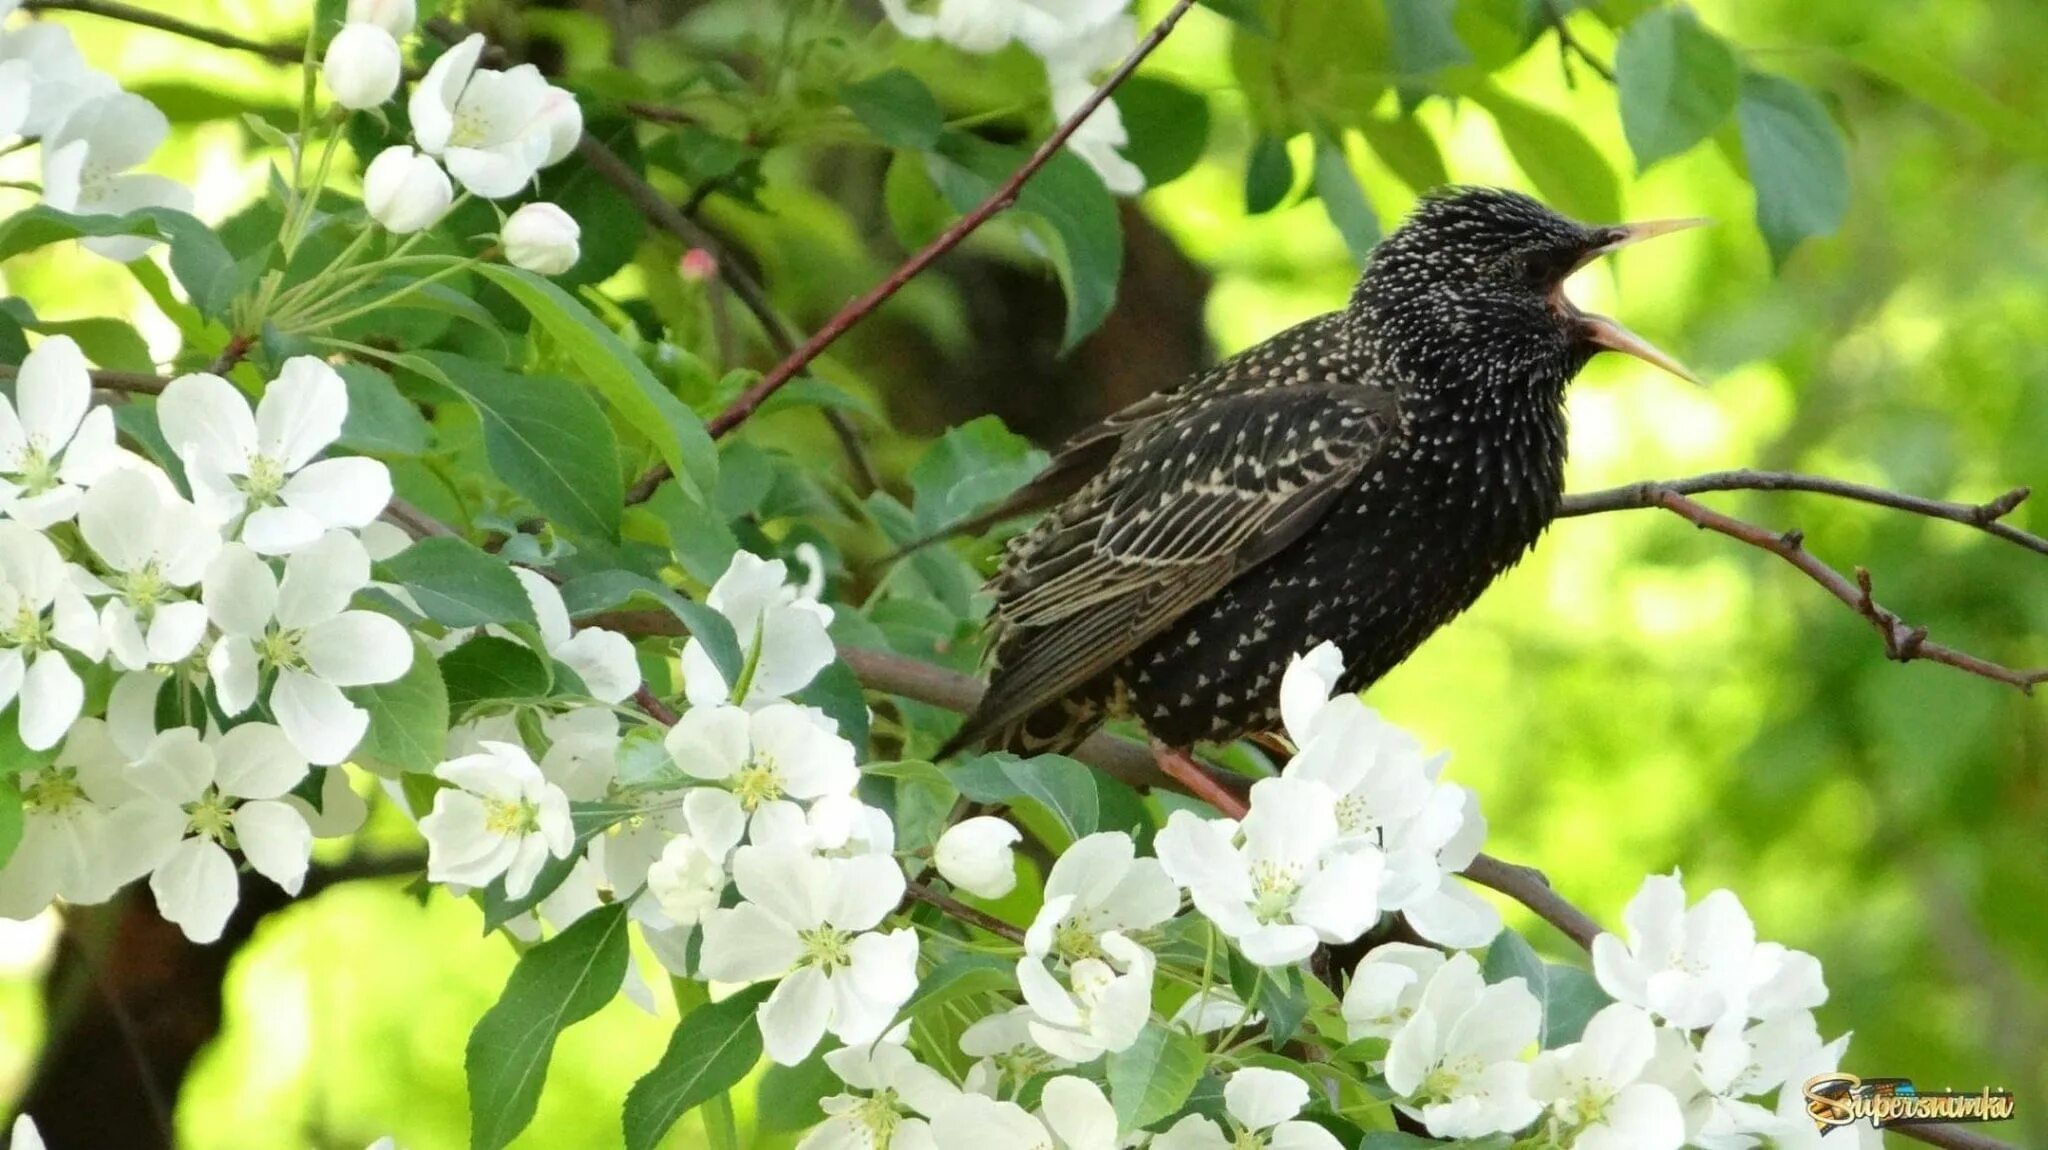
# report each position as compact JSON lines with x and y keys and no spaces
{"x":1181,"y":767}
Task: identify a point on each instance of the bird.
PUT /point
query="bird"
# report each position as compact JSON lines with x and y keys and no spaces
{"x":1359,"y":478}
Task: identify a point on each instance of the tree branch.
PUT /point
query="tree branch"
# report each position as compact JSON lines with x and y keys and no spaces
{"x":1569,"y":45}
{"x":144,"y":17}
{"x":954,"y":908}
{"x":966,"y":225}
{"x":126,"y":381}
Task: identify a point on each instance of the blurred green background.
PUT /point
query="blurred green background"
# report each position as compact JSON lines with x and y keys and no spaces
{"x":1638,"y":696}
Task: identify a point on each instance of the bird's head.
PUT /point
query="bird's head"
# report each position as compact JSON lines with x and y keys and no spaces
{"x":1483,"y":269}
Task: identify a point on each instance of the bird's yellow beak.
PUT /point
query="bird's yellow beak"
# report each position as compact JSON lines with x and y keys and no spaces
{"x":1609,"y":334}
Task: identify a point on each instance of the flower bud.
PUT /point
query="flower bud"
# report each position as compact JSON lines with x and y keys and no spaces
{"x":698,"y":266}
{"x":362,"y":66}
{"x":975,"y":856}
{"x":394,"y":16}
{"x":561,"y":117}
{"x":405,"y":190}
{"x":541,"y":238}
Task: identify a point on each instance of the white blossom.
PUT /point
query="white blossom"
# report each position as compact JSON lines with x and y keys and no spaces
{"x":25,"y":1136}
{"x":811,"y":921}
{"x":85,"y":167}
{"x":494,"y":130}
{"x":394,"y":16}
{"x":1386,"y":988}
{"x":688,"y":877}
{"x":1071,"y":62}
{"x":501,"y":817}
{"x":362,"y":66}
{"x":541,"y":238}
{"x":976,"y":856}
{"x":604,"y":660}
{"x":1102,"y":1010}
{"x":1691,"y":966}
{"x":58,"y":80}
{"x":53,"y":442}
{"x":892,"y":1098}
{"x":780,"y":752}
{"x":40,"y":609}
{"x":1002,"y":1047}
{"x":229,"y":792}
{"x":1096,"y":886}
{"x":1456,"y":1060}
{"x":152,"y":546}
{"x":84,"y":828}
{"x":1073,"y":1114}
{"x":1595,"y":1087}
{"x":780,"y":630}
{"x":259,"y":466}
{"x":1261,"y":1105}
{"x":302,"y":629}
{"x":1276,"y":883}
{"x":406,"y":191}
{"x":1735,"y":1061}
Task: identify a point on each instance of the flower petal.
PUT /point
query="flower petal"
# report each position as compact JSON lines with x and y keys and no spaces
{"x":196,"y":888}
{"x":301,"y":412}
{"x":317,"y":717}
{"x":356,"y":648}
{"x":205,"y":417}
{"x":320,"y":580}
{"x":277,"y":842}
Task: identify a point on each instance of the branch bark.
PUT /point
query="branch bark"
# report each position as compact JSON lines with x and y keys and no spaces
{"x":146,"y":18}
{"x":124,"y":381}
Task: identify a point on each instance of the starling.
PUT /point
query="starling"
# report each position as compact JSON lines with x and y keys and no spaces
{"x":1359,"y":478}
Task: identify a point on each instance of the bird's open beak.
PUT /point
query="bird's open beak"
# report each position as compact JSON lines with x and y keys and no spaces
{"x":1609,"y":334}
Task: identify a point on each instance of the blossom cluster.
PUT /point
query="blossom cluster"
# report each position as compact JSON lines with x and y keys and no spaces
{"x":220,"y":628}
{"x":1076,"y":42}
{"x":492,"y":131}
{"x":92,"y":132}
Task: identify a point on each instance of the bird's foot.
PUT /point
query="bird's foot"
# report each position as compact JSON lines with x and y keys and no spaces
{"x":1181,"y":767}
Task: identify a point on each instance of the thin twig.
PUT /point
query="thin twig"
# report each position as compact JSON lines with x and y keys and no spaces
{"x":1569,"y":45}
{"x":657,"y":710}
{"x":415,"y":522}
{"x":1902,"y":642}
{"x":126,"y":381}
{"x":1004,"y":196}
{"x":144,"y":17}
{"x":1526,"y":885}
{"x":1986,"y":517}
{"x":954,"y":908}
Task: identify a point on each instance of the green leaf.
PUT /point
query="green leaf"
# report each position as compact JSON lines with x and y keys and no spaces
{"x":1565,"y":167}
{"x":548,"y":440}
{"x":379,"y":418}
{"x":971,"y":467}
{"x":408,"y":719}
{"x":613,"y":588}
{"x":1168,"y":126}
{"x":1250,"y":14}
{"x":1424,"y":43}
{"x":10,"y":817}
{"x":610,"y":366}
{"x":701,"y":540}
{"x":1284,"y":1001}
{"x":458,"y":585}
{"x":557,"y":984}
{"x":488,"y":668}
{"x":1569,"y":996}
{"x":1676,"y":81}
{"x":788,"y":1096}
{"x":1408,"y":150}
{"x":1327,"y":61}
{"x":201,"y":262}
{"x":1337,"y":186}
{"x":837,"y":691}
{"x":1268,"y":175}
{"x":709,"y":1052}
{"x":109,"y":343}
{"x":959,"y":977}
{"x":1797,"y":162}
{"x":1062,"y":786}
{"x":1075,"y":216}
{"x":898,"y":108}
{"x":1153,"y":1078}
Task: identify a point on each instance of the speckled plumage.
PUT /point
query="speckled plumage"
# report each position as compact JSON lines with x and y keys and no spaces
{"x":1359,"y":478}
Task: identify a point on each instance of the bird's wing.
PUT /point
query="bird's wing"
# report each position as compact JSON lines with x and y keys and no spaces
{"x":1187,"y":503}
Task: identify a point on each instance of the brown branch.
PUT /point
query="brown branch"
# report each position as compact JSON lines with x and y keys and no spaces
{"x":954,"y":908}
{"x":127,"y":381}
{"x":1986,"y":517}
{"x":415,"y":522}
{"x":966,"y":225}
{"x":657,"y":710}
{"x":1902,"y":642}
{"x":1528,"y":886}
{"x":144,"y":17}
{"x":1569,"y":45}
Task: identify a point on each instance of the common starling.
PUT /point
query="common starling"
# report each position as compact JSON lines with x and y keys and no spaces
{"x":1359,"y":478}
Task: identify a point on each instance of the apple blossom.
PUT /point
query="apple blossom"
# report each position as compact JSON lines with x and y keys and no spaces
{"x":487,"y":126}
{"x":259,"y":466}
{"x":779,"y":751}
{"x":780,"y":630}
{"x":1261,"y":1105}
{"x":1276,"y":883}
{"x":1594,"y":1087}
{"x":224,"y":792}
{"x":41,"y":609}
{"x":152,"y":546}
{"x":811,"y":922}
{"x":302,"y":629}
{"x":1002,"y":1047}
{"x":501,"y":817}
{"x":1386,"y":988}
{"x":541,"y":238}
{"x":86,"y":159}
{"x":362,"y":66}
{"x":394,"y":16}
{"x":604,"y":660}
{"x":1456,"y":1061}
{"x":16,"y":78}
{"x":53,"y":443}
{"x":1106,"y":1007}
{"x":897,"y":1095}
{"x":406,"y":191}
{"x":1099,"y":885}
{"x":59,"y":81}
{"x":1692,"y":966}
{"x":25,"y":1136}
{"x":83,"y":826}
{"x":975,"y":856}
{"x":689,"y":875}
